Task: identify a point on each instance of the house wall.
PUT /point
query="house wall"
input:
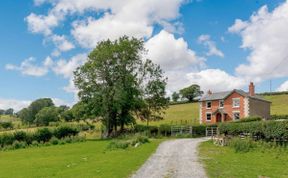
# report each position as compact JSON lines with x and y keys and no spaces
{"x":227,"y":107}
{"x":259,"y":108}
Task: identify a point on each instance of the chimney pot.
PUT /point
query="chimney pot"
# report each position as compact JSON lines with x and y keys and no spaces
{"x":251,"y":89}
{"x":209,"y":92}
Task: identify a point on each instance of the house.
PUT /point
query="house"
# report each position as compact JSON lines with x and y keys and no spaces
{"x":232,"y":105}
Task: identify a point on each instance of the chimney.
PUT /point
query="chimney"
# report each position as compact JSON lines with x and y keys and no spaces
{"x":251,"y":89}
{"x":209,"y":92}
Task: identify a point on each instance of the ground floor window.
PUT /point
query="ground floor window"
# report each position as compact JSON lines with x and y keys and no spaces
{"x":236,"y":115}
{"x":208,"y":116}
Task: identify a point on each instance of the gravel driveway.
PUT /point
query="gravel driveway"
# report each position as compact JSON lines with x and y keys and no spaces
{"x":174,"y":159}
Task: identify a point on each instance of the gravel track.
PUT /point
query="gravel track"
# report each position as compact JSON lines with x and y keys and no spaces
{"x":174,"y":159}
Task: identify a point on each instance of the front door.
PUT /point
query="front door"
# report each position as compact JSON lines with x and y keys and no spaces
{"x":218,"y":117}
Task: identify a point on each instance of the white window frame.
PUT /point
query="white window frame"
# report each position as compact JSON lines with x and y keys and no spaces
{"x":234,"y":112}
{"x":210,"y":116}
{"x":233,"y":102}
{"x":207,"y":104}
{"x":220,"y":103}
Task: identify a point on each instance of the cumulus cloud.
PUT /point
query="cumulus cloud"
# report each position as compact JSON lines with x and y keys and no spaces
{"x":283,"y":86}
{"x":125,"y":17}
{"x":171,"y":53}
{"x":17,"y":105}
{"x":62,"y":43}
{"x":215,"y":80}
{"x":28,"y":67}
{"x":67,"y":67}
{"x":265,"y":35}
{"x":211,"y":45}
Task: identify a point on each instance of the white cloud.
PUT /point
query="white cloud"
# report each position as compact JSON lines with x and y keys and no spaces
{"x":125,"y":17}
{"x":283,"y":86}
{"x":215,"y":80}
{"x":12,"y":103}
{"x":62,"y":43}
{"x":88,"y":33}
{"x":171,"y":53}
{"x":211,"y":45}
{"x":42,"y":24}
{"x":265,"y":35}
{"x":28,"y":67}
{"x":67,"y":67}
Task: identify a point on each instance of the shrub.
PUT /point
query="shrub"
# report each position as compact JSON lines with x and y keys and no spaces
{"x":17,"y":144}
{"x":165,"y":130}
{"x":118,"y":144}
{"x":43,"y":135}
{"x":241,"y":145}
{"x":6,"y":125}
{"x":250,"y":119}
{"x":65,"y":131}
{"x":199,"y":130}
{"x":6,"y":139}
{"x":54,"y":141}
{"x":20,"y":136}
{"x":279,"y":117}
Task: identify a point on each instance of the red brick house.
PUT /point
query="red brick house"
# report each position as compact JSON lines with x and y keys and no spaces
{"x":232,"y":105}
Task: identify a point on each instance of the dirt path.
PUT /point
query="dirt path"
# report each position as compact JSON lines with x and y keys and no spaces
{"x":175,"y":159}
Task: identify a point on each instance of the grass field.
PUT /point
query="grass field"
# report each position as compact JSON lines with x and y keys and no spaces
{"x":223,"y":162}
{"x":279,"y":104}
{"x":86,"y":159}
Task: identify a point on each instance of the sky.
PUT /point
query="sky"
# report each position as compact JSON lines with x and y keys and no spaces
{"x":219,"y":45}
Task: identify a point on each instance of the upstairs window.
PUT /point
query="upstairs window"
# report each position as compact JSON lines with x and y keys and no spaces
{"x":221,"y":103}
{"x":208,"y":104}
{"x":236,"y":102}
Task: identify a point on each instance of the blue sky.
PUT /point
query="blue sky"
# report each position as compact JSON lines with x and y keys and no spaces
{"x":196,"y":41}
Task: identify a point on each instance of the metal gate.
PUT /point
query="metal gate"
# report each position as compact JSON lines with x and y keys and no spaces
{"x":211,"y":131}
{"x":181,"y":130}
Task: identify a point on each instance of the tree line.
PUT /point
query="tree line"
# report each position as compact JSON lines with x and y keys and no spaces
{"x":189,"y":93}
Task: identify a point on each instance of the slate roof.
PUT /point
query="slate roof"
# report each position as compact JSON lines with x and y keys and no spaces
{"x":225,"y":94}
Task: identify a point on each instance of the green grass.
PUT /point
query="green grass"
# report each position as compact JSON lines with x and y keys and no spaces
{"x":86,"y":159}
{"x":223,"y":162}
{"x":279,"y":104}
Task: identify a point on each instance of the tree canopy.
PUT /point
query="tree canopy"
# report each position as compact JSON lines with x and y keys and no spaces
{"x":116,"y":83}
{"x":191,"y":92}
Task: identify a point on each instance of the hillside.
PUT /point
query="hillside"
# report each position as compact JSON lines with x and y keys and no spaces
{"x":189,"y":113}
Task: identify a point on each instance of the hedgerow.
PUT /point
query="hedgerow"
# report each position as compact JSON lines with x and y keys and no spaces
{"x":21,"y":139}
{"x":260,"y":129}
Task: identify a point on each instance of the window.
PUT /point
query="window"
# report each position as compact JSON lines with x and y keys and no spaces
{"x":208,"y":116}
{"x":236,"y":115}
{"x":236,"y":102}
{"x":208,"y":104}
{"x":221,"y":103}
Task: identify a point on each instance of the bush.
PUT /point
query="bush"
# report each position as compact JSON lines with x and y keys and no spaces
{"x":199,"y":131}
{"x":43,"y":135}
{"x":261,"y":129}
{"x":118,"y":144}
{"x":6,"y":125}
{"x":241,"y":145}
{"x":279,"y":117}
{"x":20,"y":136}
{"x":165,"y":130}
{"x":16,"y":144}
{"x":250,"y":119}
{"x":6,"y":139}
{"x":54,"y":141}
{"x":65,"y":131}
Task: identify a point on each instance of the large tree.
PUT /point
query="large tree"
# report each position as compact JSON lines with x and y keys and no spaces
{"x":191,"y":92}
{"x":175,"y":96}
{"x":116,"y":82}
{"x":28,"y":115}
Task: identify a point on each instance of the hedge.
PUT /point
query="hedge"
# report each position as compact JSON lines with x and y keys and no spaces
{"x":165,"y":130}
{"x":262,"y":129}
{"x":279,"y":117}
{"x":41,"y":135}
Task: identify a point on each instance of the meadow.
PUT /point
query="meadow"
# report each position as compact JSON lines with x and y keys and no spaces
{"x":224,"y":162}
{"x":85,"y":159}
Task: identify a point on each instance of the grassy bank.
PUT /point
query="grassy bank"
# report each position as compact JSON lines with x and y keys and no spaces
{"x":224,"y":162}
{"x":87,"y":159}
